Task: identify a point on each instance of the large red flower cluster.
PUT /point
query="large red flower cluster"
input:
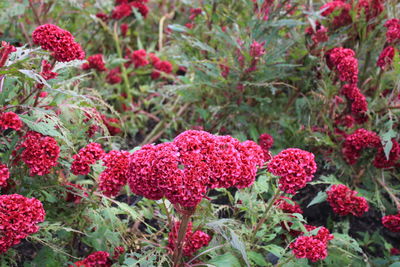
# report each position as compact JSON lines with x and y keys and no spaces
{"x":392,"y":222}
{"x":192,"y":242}
{"x":5,"y":50}
{"x":356,"y":142}
{"x":95,"y":62}
{"x":113,"y":178}
{"x":10,"y":120}
{"x":4,"y":175}
{"x":124,"y":8}
{"x":344,"y":201}
{"x":184,"y":169}
{"x":287,"y":205}
{"x":96,"y":259}
{"x":40,"y":153}
{"x":19,"y":217}
{"x":296,"y":168}
{"x":60,"y":42}
{"x":86,"y":157}
{"x":343,"y":61}
{"x":343,"y":18}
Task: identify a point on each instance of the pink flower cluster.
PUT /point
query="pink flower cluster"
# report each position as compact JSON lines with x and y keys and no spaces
{"x":356,"y":142}
{"x":113,"y":178}
{"x":19,"y":217}
{"x":392,"y":222}
{"x":95,"y":62}
{"x":124,"y":8}
{"x":193,"y":241}
{"x":10,"y":120}
{"x":284,"y":204}
{"x":295,"y":167}
{"x":40,"y":153}
{"x":5,"y":50}
{"x":96,"y":259}
{"x":184,"y":169}
{"x":343,"y":61}
{"x":86,"y":157}
{"x":312,"y":247}
{"x":343,"y":18}
{"x":266,"y":141}
{"x":344,"y":201}
{"x":60,"y":42}
{"x":4,"y":175}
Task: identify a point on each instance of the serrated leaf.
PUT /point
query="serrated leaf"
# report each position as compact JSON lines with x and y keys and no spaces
{"x":320,"y":197}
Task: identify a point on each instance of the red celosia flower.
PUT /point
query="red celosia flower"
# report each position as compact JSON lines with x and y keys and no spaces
{"x":344,"y":201}
{"x":111,"y":124}
{"x":382,"y":162}
{"x":358,"y":141}
{"x":194,"y":12}
{"x":386,"y":57}
{"x":193,"y":241}
{"x":263,"y":11}
{"x":124,"y":29}
{"x":59,"y":41}
{"x":296,"y":168}
{"x":342,"y":60}
{"x":266,"y":141}
{"x":96,"y":259}
{"x":121,"y":11}
{"x":343,"y":18}
{"x":113,"y":178}
{"x":359,"y":105}
{"x":319,"y":35}
{"x":74,"y":193}
{"x":118,"y":251}
{"x":46,"y":73}
{"x":5,"y":50}
{"x":286,"y":207}
{"x":153,"y":58}
{"x":4,"y":175}
{"x":19,"y":217}
{"x":370,"y":8}
{"x":392,"y":222}
{"x":323,"y":233}
{"x":114,"y":76}
{"x":10,"y":120}
{"x":102,"y":16}
{"x":161,"y":66}
{"x":257,"y":49}
{"x":346,"y":121}
{"x":40,"y":153}
{"x":142,"y":8}
{"x":393,"y":30}
{"x":86,"y":157}
{"x":224,"y":70}
{"x":95,"y":62}
{"x":309,"y":247}
{"x":138,"y":58}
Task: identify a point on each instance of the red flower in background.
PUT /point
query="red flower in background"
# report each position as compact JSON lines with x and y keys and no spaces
{"x":114,"y":76}
{"x":60,"y":42}
{"x":266,"y":141}
{"x":283,"y":203}
{"x":342,"y":8}
{"x":96,"y":259}
{"x":124,"y":29}
{"x":385,"y":59}
{"x":138,"y":58}
{"x":86,"y":157}
{"x":393,"y":30}
{"x":161,"y":66}
{"x":356,"y":142}
{"x":4,"y":175}
{"x":95,"y":62}
{"x":344,"y":201}
{"x":5,"y":50}
{"x":382,"y":162}
{"x":10,"y":120}
{"x":121,"y":11}
{"x":392,"y":222}
{"x":309,"y":247}
{"x":74,"y":193}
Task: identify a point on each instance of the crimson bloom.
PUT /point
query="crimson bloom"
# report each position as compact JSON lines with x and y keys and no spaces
{"x":392,"y":222}
{"x":96,"y":259}
{"x":86,"y":157}
{"x":4,"y":175}
{"x":10,"y":120}
{"x":344,"y":201}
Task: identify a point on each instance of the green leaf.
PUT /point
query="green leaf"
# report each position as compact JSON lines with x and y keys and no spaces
{"x":178,"y":28}
{"x":257,"y":258}
{"x":320,"y":197}
{"x":225,"y":260}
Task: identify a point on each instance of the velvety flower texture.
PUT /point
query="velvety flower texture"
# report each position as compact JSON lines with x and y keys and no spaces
{"x":283,"y":203}
{"x":19,"y":217}
{"x":95,"y":62}
{"x":86,"y":157}
{"x":192,"y":242}
{"x":96,"y":259}
{"x":161,"y":66}
{"x":343,"y":18}
{"x":183,"y":170}
{"x":392,"y":222}
{"x":113,"y":178}
{"x":356,"y":142}
{"x":5,"y":50}
{"x":4,"y":175}
{"x":40,"y":153}
{"x":296,"y":168}
{"x":10,"y":120}
{"x":343,"y":61}
{"x":344,"y":201}
{"x":385,"y":59}
{"x":393,"y":30}
{"x":60,"y":42}
{"x":359,"y":105}
{"x":138,"y":58}
{"x":380,"y":160}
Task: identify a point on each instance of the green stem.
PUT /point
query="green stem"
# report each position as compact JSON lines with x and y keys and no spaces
{"x":176,"y":258}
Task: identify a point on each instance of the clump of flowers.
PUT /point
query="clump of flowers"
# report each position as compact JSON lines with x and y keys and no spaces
{"x":5,"y":50}
{"x":40,"y":153}
{"x":114,"y":76}
{"x":161,"y":66}
{"x":392,"y":222}
{"x":386,"y":57}
{"x":86,"y":157}
{"x":113,"y":178}
{"x":19,"y":217}
{"x":359,"y":105}
{"x":95,"y":62}
{"x":266,"y":141}
{"x":382,"y":162}
{"x":393,"y":30}
{"x":59,"y":41}
{"x":344,"y":201}
{"x":342,"y":8}
{"x":96,"y":259}
{"x":184,"y":169}
{"x":287,"y":205}
{"x":4,"y":175}
{"x":193,"y":241}
{"x":370,"y":8}
{"x":10,"y":120}
{"x":343,"y":61}
{"x":296,"y":168}
{"x":319,"y":34}
{"x":124,"y":9}
{"x":356,"y":142}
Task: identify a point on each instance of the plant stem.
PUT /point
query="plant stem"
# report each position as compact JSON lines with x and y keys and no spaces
{"x":179,"y":243}
{"x":266,"y":214}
